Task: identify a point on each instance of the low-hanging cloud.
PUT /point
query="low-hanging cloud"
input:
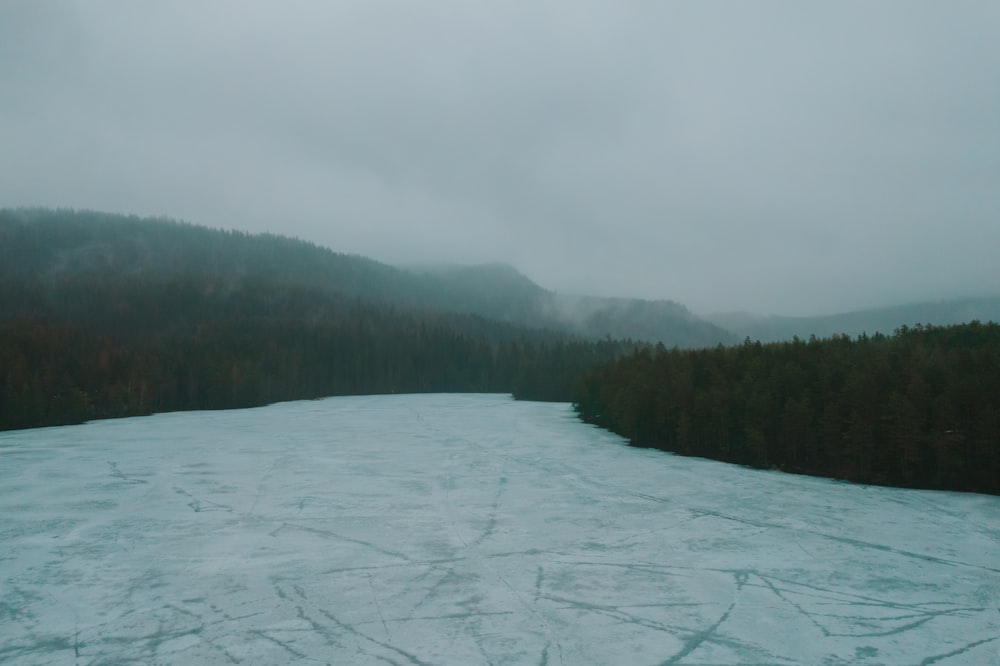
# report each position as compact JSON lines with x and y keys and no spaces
{"x":768,"y":156}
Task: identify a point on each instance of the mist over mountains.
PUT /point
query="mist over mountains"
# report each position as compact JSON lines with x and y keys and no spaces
{"x":45,"y":248}
{"x":880,"y":320}
{"x":104,"y":316}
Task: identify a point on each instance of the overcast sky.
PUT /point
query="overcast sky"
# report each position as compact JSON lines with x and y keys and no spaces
{"x":776,"y":157}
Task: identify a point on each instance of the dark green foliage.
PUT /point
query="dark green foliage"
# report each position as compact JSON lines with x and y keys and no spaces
{"x":46,"y":249}
{"x":920,"y":408}
{"x":105,"y":316}
{"x":121,"y":353}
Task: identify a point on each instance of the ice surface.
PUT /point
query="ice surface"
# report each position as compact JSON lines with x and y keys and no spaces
{"x":452,"y":529}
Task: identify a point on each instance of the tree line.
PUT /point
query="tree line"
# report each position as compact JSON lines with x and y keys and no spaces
{"x":105,"y":316}
{"x":52,"y":246}
{"x":102,"y":348}
{"x":919,"y":408}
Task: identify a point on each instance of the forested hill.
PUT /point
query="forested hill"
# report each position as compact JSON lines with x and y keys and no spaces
{"x":919,"y":408}
{"x":45,"y":247}
{"x":49,"y":248}
{"x":107,"y":316}
{"x":501,"y":292}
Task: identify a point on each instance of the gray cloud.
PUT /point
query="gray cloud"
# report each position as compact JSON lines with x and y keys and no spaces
{"x":780,"y":157}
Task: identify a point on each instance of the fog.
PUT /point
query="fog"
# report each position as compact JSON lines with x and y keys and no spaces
{"x":771,"y":157}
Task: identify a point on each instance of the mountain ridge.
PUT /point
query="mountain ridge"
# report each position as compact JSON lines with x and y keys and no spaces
{"x":46,"y":246}
{"x":885,"y":320}
{"x":52,"y":245}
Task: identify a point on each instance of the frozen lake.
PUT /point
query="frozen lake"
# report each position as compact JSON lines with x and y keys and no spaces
{"x":468,"y":529}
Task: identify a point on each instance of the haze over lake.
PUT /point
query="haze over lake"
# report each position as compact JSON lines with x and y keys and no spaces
{"x":466,"y":529}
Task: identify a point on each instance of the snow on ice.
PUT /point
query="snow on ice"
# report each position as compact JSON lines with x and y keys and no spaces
{"x":466,"y":529}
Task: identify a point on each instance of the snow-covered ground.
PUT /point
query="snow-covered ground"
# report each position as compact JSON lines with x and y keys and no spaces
{"x":450,"y":529}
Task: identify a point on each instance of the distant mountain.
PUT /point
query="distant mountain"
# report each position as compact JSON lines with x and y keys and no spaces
{"x":879,"y":320}
{"x":497,"y":291}
{"x":105,"y":316}
{"x":40,"y":246}
{"x":501,"y":292}
{"x":50,"y":246}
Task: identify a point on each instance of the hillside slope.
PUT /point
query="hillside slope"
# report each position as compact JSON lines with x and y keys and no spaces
{"x":108,"y":316}
{"x":46,"y":247}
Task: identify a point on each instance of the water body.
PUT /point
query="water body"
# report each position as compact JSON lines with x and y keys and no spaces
{"x":466,"y":529}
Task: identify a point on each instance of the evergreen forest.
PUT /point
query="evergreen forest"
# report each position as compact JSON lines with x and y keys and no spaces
{"x":919,"y":408}
{"x":105,"y":316}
